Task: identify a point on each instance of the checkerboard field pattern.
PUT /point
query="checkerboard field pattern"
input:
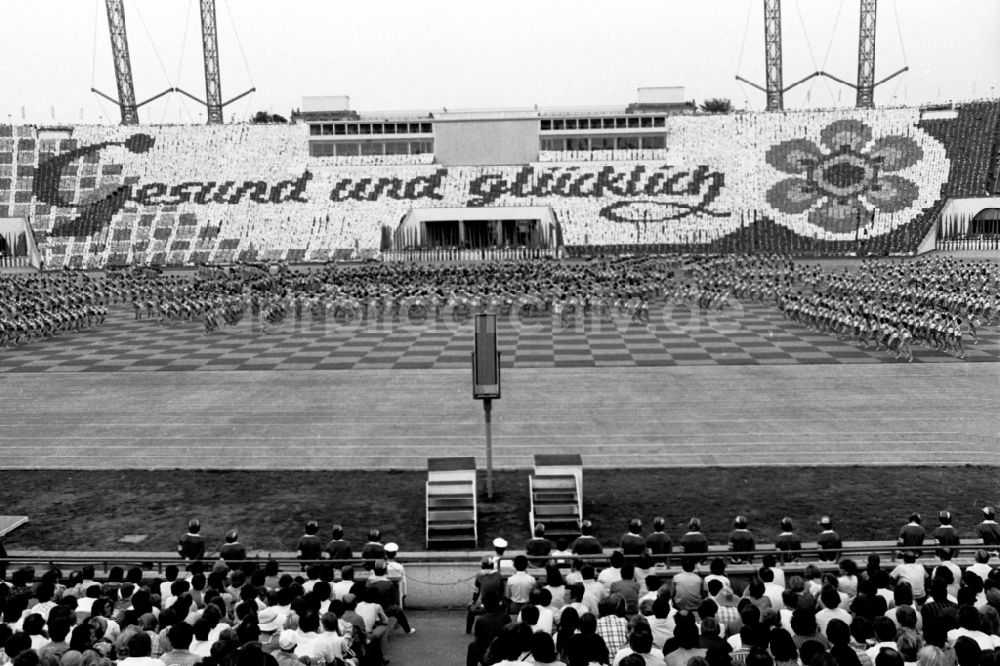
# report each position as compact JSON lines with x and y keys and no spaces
{"x":749,"y":335}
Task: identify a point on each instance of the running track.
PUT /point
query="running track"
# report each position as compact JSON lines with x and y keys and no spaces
{"x":871,"y":413}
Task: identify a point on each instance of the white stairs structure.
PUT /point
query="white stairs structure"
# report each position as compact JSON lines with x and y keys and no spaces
{"x":451,"y":502}
{"x":556,"y":488}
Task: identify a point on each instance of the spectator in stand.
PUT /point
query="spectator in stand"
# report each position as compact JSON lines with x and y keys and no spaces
{"x":694,"y":543}
{"x":487,"y":627}
{"x":593,"y":587}
{"x":180,"y":636}
{"x":633,"y":543}
{"x":659,"y":543}
{"x":388,"y":597}
{"x":285,"y":654}
{"x":828,"y":541}
{"x":687,"y":641}
{"x":232,"y":551}
{"x":728,"y":607}
{"x":395,"y":571}
{"x":932,"y":655}
{"x":947,"y":536}
{"x":341,"y":588}
{"x":191,"y":546}
{"x":537,"y":548}
{"x":488,"y":582}
{"x":373,"y":550}
{"x":612,"y":625}
{"x":741,"y":540}
{"x":500,"y":563}
{"x":885,"y":637}
{"x":788,"y":541}
{"x":717,"y":571}
{"x":772,"y":590}
{"x":640,"y":642}
{"x":711,"y":635}
{"x":989,"y":530}
{"x":783,"y":648}
{"x":629,"y":588}
{"x":310,"y":547}
{"x":139,"y":648}
{"x":555,"y":586}
{"x":838,"y":635}
{"x":582,"y":601}
{"x":338,"y":549}
{"x":687,"y":587}
{"x":830,"y":600}
{"x":378,"y":625}
{"x":519,"y":586}
{"x":902,"y":597}
{"x":939,"y":605}
{"x":967,"y":652}
{"x":912,"y":534}
{"x":587,"y":543}
{"x":848,"y":580}
{"x":981,"y":566}
{"x":970,"y":626}
{"x":543,"y":650}
{"x":913,"y":573}
{"x":613,"y":572}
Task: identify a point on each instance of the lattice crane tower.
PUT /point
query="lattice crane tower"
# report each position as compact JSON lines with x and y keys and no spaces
{"x":772,"y":55}
{"x":123,"y":66}
{"x":210,"y":46}
{"x":866,"y":55}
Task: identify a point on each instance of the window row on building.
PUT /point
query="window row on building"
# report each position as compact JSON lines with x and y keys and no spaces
{"x":619,"y":122}
{"x":355,"y":148}
{"x":638,"y":142}
{"x":363,"y":129}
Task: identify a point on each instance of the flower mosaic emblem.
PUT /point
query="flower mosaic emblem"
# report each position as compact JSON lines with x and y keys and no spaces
{"x":839,"y":184}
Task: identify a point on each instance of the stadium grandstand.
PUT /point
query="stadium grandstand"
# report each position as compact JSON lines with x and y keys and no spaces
{"x":583,"y":182}
{"x":749,"y":414}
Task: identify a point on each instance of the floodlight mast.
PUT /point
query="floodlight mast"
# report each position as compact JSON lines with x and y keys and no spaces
{"x":213,"y":77}
{"x":775,"y":89}
{"x":866,"y":83}
{"x":772,"y":55}
{"x":210,"y":46}
{"x":123,"y":65}
{"x":866,"y":55}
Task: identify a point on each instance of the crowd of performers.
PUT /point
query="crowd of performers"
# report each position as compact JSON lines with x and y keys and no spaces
{"x":929,"y":302}
{"x":33,"y":307}
{"x":891,"y":305}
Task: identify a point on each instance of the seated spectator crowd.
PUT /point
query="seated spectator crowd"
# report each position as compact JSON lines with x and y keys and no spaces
{"x":245,"y":615}
{"x":636,"y":612}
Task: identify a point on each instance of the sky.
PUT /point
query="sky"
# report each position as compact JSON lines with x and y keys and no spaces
{"x":465,"y":54}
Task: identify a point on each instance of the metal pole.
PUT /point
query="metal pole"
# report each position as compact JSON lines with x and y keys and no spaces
{"x":487,"y":412}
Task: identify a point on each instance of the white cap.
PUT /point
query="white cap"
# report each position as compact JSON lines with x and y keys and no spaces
{"x":391,"y":547}
{"x":288,"y":639}
{"x":499,"y":542}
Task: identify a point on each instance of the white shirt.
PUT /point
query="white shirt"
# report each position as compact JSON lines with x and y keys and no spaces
{"x":653,"y":658}
{"x":980,"y":569}
{"x":140,"y":661}
{"x":875,"y":649}
{"x":341,"y":588}
{"x":984,"y":640}
{"x":201,"y":648}
{"x":824,"y":616}
{"x":608,"y":576}
{"x":546,"y":619}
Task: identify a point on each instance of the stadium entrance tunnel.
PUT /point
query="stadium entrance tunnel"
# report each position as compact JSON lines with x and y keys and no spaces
{"x":970,"y":216}
{"x":503,"y":227}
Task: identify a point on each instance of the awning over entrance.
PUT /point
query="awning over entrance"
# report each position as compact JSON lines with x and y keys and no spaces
{"x":508,"y":226}
{"x":958,"y":215}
